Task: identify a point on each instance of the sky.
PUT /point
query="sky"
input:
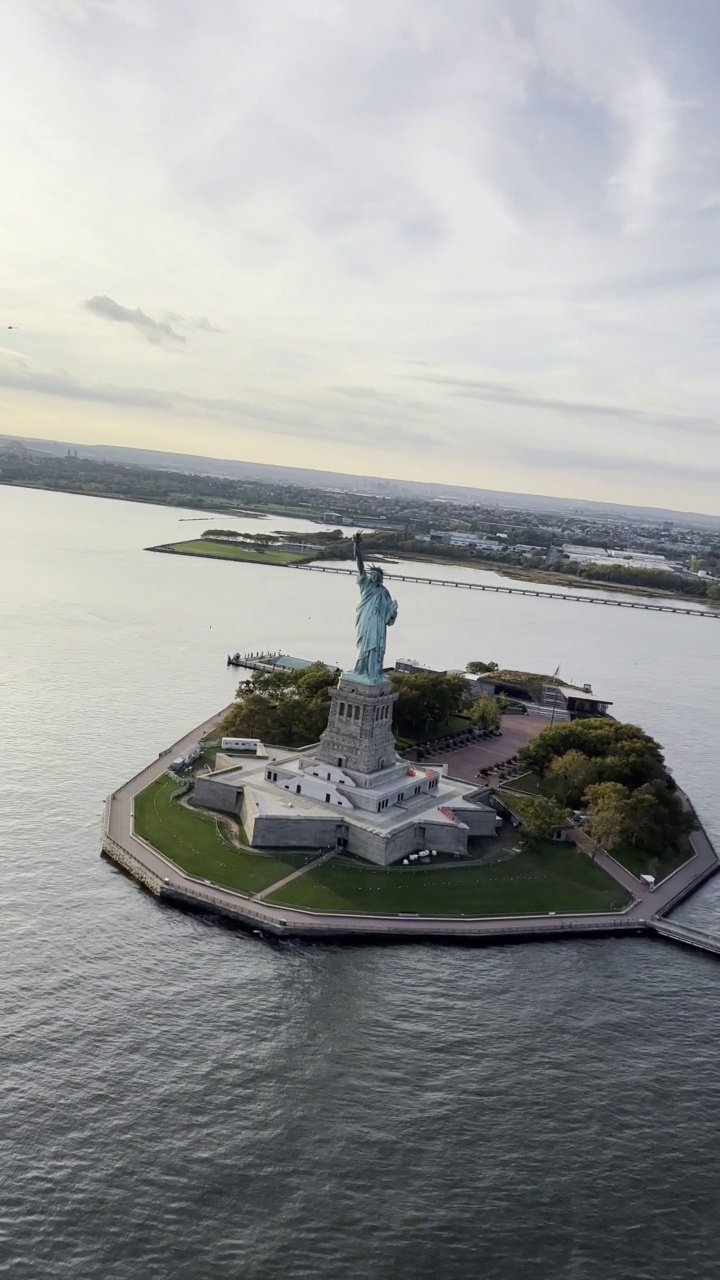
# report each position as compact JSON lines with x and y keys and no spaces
{"x":468,"y":241}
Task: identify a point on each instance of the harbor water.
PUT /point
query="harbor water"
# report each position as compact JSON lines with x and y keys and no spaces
{"x":181,"y":1101}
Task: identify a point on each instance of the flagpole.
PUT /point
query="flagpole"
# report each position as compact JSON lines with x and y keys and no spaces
{"x":555,"y":676}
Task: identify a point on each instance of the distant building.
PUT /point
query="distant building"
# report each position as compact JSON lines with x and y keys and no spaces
{"x":455,"y":538}
{"x":576,"y":703}
{"x":583,"y":554}
{"x":631,"y":559}
{"x":413,"y":668}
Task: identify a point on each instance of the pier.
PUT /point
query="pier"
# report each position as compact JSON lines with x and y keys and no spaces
{"x":689,"y":935}
{"x":694,"y":611}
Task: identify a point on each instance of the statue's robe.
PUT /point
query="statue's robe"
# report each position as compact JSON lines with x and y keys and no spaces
{"x":376,"y":612}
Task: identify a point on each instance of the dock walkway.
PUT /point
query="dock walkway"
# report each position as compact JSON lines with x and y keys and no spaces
{"x":687,"y":934}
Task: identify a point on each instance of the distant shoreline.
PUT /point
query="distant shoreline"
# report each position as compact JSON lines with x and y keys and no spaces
{"x":516,"y":572}
{"x":382,"y":486}
{"x":584,"y":586}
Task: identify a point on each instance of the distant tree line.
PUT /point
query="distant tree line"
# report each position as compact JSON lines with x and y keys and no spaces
{"x":642,"y":576}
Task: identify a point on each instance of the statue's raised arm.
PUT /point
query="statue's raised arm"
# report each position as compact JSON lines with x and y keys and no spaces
{"x":358,"y":555}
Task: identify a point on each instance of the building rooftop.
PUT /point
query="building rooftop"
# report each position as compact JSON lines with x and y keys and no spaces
{"x":290,"y":663}
{"x":274,"y":800}
{"x":572,"y":691}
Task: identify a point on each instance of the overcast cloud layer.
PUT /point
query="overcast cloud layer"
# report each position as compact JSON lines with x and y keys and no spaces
{"x":461,"y":240}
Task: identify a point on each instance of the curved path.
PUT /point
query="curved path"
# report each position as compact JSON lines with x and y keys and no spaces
{"x":163,"y":878}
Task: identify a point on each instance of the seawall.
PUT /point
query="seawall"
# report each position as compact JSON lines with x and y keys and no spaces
{"x":166,"y":881}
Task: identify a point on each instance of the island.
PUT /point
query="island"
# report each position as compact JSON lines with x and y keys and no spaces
{"x":553,"y":567}
{"x":483,"y":805}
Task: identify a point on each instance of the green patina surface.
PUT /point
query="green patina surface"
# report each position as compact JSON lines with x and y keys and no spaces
{"x":227,"y":551}
{"x":196,"y":844}
{"x":546,"y":877}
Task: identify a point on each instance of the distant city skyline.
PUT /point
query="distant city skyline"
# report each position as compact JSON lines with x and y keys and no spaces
{"x":470,"y":243}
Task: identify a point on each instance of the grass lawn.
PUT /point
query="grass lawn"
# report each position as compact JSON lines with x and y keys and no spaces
{"x":207,"y":757}
{"x":226,"y":551}
{"x":658,"y":865}
{"x":636,"y":860}
{"x":548,"y":877}
{"x":528,"y":784}
{"x":196,"y":845}
{"x":494,"y":848}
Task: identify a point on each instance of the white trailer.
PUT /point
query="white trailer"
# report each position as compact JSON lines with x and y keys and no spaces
{"x":239,"y":744}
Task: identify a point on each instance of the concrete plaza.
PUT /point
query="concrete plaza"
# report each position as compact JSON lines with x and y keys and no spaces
{"x":466,"y":762}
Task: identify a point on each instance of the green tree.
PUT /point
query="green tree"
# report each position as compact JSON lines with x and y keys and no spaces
{"x":426,"y":701}
{"x":640,"y":576}
{"x":485,"y":713}
{"x":656,"y":819}
{"x":713,"y":592}
{"x":286,"y":708}
{"x":636,"y":757}
{"x":254,"y":716}
{"x":569,"y":775}
{"x":540,"y":816}
{"x":607,"y":807}
{"x":479,"y":668}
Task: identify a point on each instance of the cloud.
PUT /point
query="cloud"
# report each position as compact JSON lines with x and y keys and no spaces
{"x":278,"y":416}
{"x":518,"y":199}
{"x":202,"y":322}
{"x":582,"y":461}
{"x":155,"y":331}
{"x":15,"y":357}
{"x":79,"y":12}
{"x":192,"y":322}
{"x":497,"y":394}
{"x":606,"y":60}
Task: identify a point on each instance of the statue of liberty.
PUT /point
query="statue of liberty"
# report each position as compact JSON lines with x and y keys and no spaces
{"x":376,"y":612}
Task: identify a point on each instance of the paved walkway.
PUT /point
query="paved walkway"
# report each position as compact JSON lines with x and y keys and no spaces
{"x":466,"y":762}
{"x":301,"y":871}
{"x":176,"y":885}
{"x":637,"y":888}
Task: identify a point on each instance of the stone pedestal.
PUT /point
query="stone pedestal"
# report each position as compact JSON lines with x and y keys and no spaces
{"x":359,"y":736}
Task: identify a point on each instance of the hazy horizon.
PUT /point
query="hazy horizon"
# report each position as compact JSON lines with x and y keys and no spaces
{"x":331,"y":481}
{"x":472,"y":243}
